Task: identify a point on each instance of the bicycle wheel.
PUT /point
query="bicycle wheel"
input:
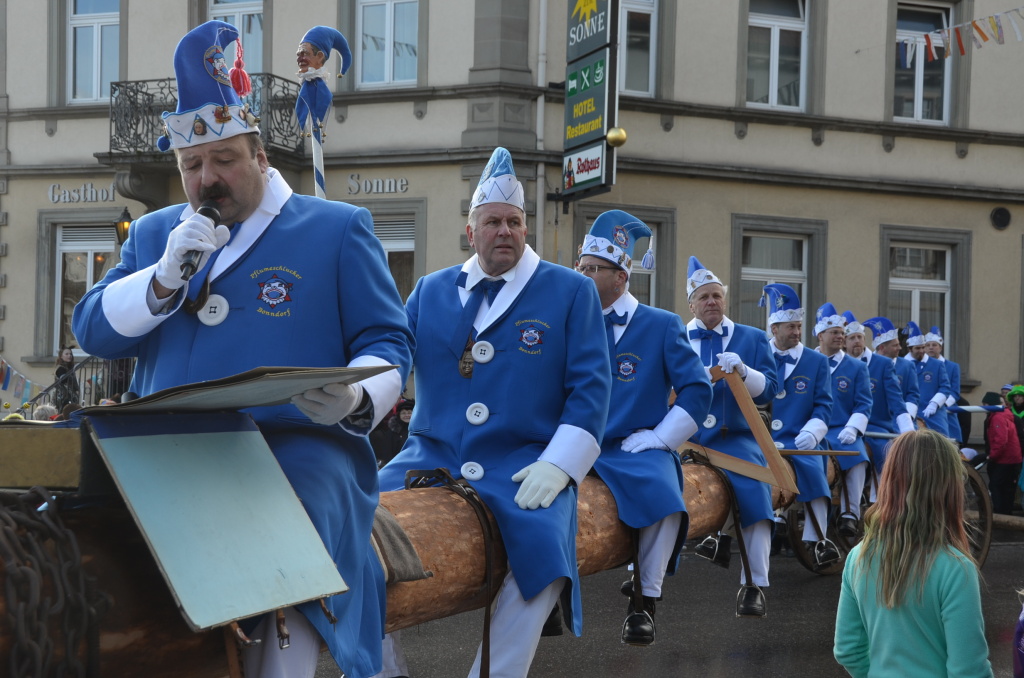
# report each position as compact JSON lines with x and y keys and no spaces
{"x":977,"y":514}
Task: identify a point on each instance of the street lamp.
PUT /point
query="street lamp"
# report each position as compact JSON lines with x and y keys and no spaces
{"x":121,"y":226}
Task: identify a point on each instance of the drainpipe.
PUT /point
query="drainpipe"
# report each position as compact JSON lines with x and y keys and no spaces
{"x":542,"y":81}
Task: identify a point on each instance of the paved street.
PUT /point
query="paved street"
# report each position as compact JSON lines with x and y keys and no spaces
{"x":697,"y":626}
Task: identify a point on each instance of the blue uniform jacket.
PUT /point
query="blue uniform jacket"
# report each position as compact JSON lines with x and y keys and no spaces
{"x":726,"y":430}
{"x":549,"y":373}
{"x":952,"y":422}
{"x":907,"y":377}
{"x":338,"y":305}
{"x":933,"y":382}
{"x":805,"y":394}
{"x":851,"y":406}
{"x":652,"y":358}
{"x":887,"y":403}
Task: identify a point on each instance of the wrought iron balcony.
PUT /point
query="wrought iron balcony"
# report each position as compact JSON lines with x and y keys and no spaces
{"x":136,"y":107}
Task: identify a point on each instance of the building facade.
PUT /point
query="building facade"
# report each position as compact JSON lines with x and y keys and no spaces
{"x":829,"y":145}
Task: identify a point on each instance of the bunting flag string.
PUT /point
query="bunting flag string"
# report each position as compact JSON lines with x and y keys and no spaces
{"x":21,"y":387}
{"x":947,"y":41}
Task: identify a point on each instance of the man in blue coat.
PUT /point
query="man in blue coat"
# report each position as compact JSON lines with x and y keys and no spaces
{"x":266,"y":292}
{"x":744,"y":350}
{"x":650,"y":358}
{"x":931,"y":379}
{"x":888,"y":408}
{"x":851,"y":406}
{"x":512,"y":389}
{"x":885,"y":339}
{"x":801,"y":412}
{"x":933,"y":345}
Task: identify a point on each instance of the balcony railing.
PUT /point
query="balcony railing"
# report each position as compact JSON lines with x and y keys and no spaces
{"x":136,"y":107}
{"x":93,"y":380}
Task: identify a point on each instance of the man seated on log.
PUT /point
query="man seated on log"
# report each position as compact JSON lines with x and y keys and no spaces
{"x":266,"y":292}
{"x":512,"y":389}
{"x":800,"y":415}
{"x":744,"y":350}
{"x":650,"y":356}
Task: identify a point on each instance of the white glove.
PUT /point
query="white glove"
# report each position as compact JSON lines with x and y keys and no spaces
{"x":197,"y":233}
{"x":905,"y":423}
{"x":730,"y":362}
{"x":541,"y":483}
{"x":848,"y":435}
{"x":330,"y":404}
{"x":645,"y":439}
{"x":805,"y":440}
{"x":929,"y":409}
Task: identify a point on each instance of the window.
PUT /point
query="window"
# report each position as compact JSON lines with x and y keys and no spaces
{"x":919,"y":278}
{"x":84,"y":255}
{"x":776,"y":45}
{"x":638,"y":29}
{"x":921,"y":85}
{"x":398,"y":236}
{"x":93,"y":35}
{"x":767,"y":258}
{"x":387,"y":50}
{"x":247,"y":17}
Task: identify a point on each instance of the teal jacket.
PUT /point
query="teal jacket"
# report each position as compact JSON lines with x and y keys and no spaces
{"x":942,"y":634}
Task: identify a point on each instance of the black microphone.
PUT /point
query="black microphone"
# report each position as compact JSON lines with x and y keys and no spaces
{"x":190,"y":263}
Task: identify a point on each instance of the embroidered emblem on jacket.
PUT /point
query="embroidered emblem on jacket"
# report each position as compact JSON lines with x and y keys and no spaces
{"x":531,"y":336}
{"x":627,"y":368}
{"x":275,"y":291}
{"x":801,"y":385}
{"x":843,"y":384}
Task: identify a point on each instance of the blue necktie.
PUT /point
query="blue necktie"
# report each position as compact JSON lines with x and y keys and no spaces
{"x":711,"y":343}
{"x":610,"y":321}
{"x":469,"y":311}
{"x":781,"y":359}
{"x":833,"y":363}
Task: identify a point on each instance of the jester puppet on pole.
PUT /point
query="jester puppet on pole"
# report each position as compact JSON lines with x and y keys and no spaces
{"x":315,"y":96}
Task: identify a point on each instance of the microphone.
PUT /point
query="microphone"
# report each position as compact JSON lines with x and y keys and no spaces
{"x":190,"y":263}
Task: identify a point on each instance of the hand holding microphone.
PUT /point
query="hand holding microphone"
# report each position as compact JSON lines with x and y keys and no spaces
{"x":189,"y":245}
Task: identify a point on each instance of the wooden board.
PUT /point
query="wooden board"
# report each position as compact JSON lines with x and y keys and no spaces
{"x":38,"y":454}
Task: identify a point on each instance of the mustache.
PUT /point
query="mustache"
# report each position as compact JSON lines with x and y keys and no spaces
{"x":214,"y":192}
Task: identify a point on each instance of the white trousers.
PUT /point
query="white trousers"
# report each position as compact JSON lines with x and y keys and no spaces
{"x":657,"y":542}
{"x":268,"y":660}
{"x":855,"y":478}
{"x":819,"y":507}
{"x":757,"y":539}
{"x":515,"y":633}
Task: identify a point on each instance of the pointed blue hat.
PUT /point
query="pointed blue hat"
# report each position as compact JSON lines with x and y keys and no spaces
{"x":498,"y":183}
{"x":914,"y":335}
{"x":827,"y":317}
{"x":315,"y":94}
{"x":698,"y":276}
{"x":209,"y":105}
{"x":852,"y":326}
{"x":782,"y":302}
{"x":935,"y":334}
{"x":612,"y":238}
{"x":882,"y":330}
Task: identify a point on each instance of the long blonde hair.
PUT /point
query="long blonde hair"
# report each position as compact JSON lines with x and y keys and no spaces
{"x":919,"y":512}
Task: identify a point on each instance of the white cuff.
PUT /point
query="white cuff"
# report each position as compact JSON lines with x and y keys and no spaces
{"x":383,"y":389}
{"x":754,"y":381}
{"x":816,"y":427}
{"x":912,"y":410}
{"x":676,"y":428}
{"x":904,"y":423}
{"x":939,"y":400}
{"x":950,"y":401}
{"x":573,"y":450}
{"x":859,"y":422}
{"x":126,"y":304}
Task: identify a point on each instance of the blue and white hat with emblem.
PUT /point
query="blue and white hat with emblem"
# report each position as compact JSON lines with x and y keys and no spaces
{"x":914,"y":335}
{"x":935,"y":334}
{"x":882,"y":330}
{"x":613,"y":236}
{"x":209,"y":95}
{"x":782,"y":302}
{"x":827,"y":317}
{"x":697,"y":276}
{"x":852,"y":326}
{"x":498,"y":183}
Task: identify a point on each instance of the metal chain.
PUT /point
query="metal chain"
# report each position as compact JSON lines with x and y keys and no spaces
{"x":45,"y":582}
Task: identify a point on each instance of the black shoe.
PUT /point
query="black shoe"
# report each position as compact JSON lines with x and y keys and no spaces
{"x":718,"y":551}
{"x":825,"y":553}
{"x":750,"y":602}
{"x":638,"y":629}
{"x":847,"y":526}
{"x":553,"y":625}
